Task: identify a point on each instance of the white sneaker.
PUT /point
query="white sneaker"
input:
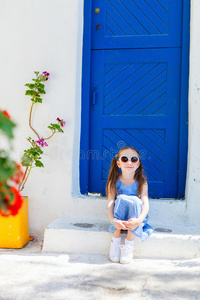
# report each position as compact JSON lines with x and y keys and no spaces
{"x":114,"y":254}
{"x":126,"y":254}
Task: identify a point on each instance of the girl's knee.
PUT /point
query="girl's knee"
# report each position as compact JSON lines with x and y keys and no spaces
{"x":136,"y":198}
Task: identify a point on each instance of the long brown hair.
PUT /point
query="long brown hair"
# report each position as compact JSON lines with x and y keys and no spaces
{"x":114,"y":174}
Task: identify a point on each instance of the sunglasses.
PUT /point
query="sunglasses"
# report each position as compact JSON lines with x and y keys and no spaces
{"x":133,"y":159}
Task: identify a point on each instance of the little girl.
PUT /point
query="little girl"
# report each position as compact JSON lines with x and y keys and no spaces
{"x":128,"y":203}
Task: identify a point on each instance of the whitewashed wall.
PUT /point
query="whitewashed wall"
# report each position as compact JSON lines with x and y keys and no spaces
{"x":193,"y":174}
{"x":44,"y":36}
{"x":47,"y":36}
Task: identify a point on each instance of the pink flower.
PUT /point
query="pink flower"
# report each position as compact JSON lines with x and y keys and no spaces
{"x":41,"y":143}
{"x":46,"y":74}
{"x":61,"y":122}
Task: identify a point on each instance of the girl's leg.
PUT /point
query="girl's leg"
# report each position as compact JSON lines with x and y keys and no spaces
{"x":130,"y":236}
{"x":127,"y":250}
{"x":117,"y":233}
{"x":115,"y":246}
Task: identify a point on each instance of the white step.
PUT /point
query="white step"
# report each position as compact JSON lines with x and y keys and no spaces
{"x":92,"y":237}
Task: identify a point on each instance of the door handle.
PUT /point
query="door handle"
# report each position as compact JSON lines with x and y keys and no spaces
{"x":98,"y":26}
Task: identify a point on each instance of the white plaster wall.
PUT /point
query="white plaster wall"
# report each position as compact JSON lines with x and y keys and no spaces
{"x":193,"y":174}
{"x":44,"y":36}
{"x":47,"y":35}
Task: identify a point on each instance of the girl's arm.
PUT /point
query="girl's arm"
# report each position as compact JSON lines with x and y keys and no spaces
{"x":145,"y":200}
{"x":135,"y":222}
{"x":110,"y":208}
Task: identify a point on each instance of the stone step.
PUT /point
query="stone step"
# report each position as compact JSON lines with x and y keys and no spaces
{"x":92,"y":237}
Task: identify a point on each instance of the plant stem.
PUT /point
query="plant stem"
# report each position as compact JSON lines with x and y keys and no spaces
{"x":50,"y":136}
{"x":30,"y":116}
{"x":19,"y":188}
{"x":31,"y":142}
{"x":26,"y":177}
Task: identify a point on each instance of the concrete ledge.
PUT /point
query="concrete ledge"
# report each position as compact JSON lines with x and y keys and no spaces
{"x":173,"y":211}
{"x":173,"y":242}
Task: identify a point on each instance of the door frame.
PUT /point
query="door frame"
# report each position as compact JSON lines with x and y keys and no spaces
{"x":86,"y":96}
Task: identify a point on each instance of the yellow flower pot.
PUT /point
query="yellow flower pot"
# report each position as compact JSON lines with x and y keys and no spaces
{"x":14,"y":230}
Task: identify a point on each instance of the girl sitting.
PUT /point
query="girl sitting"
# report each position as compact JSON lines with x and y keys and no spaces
{"x":128,"y":203}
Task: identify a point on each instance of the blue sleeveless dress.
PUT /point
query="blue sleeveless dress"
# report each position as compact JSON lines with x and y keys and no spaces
{"x":127,"y":206}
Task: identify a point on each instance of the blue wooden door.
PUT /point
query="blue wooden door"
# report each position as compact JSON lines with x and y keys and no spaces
{"x":135,"y":89}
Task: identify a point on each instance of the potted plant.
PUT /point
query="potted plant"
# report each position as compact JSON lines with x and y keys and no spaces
{"x":32,"y":155}
{"x":13,"y":208}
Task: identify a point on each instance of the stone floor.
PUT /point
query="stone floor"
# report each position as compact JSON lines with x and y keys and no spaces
{"x":28,"y":273}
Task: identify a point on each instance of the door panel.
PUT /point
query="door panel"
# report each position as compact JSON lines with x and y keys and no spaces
{"x":136,"y":103}
{"x":136,"y":24}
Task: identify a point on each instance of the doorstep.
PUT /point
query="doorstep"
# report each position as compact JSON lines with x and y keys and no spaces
{"x":92,"y":237}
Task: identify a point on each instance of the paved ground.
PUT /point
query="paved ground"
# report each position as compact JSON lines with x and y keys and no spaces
{"x":28,"y":274}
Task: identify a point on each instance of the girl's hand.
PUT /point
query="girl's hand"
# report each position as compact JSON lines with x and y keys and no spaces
{"x":132,"y":223}
{"x":120,"y":225}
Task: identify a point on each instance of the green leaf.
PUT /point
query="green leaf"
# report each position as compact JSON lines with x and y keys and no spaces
{"x":39,"y":100}
{"x":30,"y":93}
{"x":26,"y":160}
{"x":7,"y":167}
{"x":52,"y":129}
{"x":36,"y":80}
{"x":39,"y":164}
{"x":38,"y":149}
{"x":41,"y":91}
{"x":6,"y":125}
{"x":30,"y":85}
{"x":34,"y":152}
{"x":41,"y":85}
{"x":55,"y":126}
{"x":4,"y":204}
